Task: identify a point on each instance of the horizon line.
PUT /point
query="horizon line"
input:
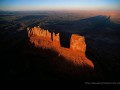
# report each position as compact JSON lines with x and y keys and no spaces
{"x":61,"y":10}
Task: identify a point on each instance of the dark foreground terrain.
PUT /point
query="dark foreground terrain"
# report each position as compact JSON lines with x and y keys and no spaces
{"x":102,"y":39}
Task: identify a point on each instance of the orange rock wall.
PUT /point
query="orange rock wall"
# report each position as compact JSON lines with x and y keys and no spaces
{"x":39,"y":32}
{"x":75,"y":54}
{"x":77,"y":42}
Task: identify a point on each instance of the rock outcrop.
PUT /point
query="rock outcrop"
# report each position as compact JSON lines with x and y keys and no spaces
{"x":56,"y":39}
{"x":37,"y":31}
{"x":45,"y":40}
{"x":77,"y":43}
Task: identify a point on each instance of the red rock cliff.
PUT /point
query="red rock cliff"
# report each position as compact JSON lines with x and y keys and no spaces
{"x":37,"y":31}
{"x":77,"y":43}
{"x":75,"y":54}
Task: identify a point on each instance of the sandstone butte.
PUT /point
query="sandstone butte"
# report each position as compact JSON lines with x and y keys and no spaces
{"x":44,"y":39}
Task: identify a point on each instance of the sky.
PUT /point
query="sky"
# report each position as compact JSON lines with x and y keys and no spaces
{"x":23,"y":5}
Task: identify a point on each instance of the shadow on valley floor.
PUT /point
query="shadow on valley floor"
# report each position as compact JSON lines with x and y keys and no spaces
{"x":82,"y":26}
{"x":102,"y":38}
{"x":103,"y":48}
{"x":26,"y":62}
{"x":48,"y":65}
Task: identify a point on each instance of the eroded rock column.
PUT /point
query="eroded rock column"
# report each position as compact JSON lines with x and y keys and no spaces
{"x":77,"y":43}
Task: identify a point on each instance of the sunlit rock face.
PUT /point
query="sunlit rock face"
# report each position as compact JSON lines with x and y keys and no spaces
{"x":56,"y":39}
{"x":39,"y":32}
{"x":50,"y":37}
{"x":43,"y":39}
{"x":77,"y":43}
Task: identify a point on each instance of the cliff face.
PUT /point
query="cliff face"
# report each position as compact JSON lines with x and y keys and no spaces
{"x":52,"y":37}
{"x":44,"y":40}
{"x":38,"y":32}
{"x":77,"y":43}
